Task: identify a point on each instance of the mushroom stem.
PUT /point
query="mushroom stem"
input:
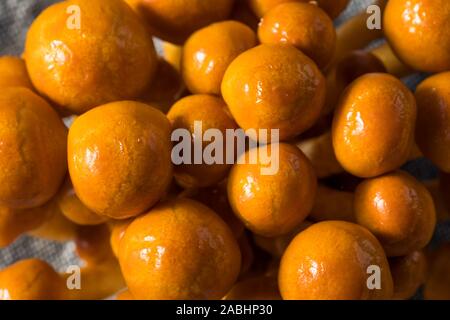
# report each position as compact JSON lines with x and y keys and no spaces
{"x":172,"y":54}
{"x":392,"y":63}
{"x":319,"y":150}
{"x":354,"y":34}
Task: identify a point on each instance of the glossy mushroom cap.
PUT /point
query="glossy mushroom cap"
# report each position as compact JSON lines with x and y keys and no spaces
{"x":33,"y":149}
{"x":272,"y":204}
{"x":13,"y":73}
{"x":352,"y":66}
{"x":118,"y":228}
{"x":408,"y":273}
{"x":66,"y":65}
{"x":330,"y":260}
{"x":433,"y":119}
{"x":212,"y":113}
{"x":209,"y":51}
{"x":73,"y":209}
{"x":216,"y":198}
{"x":179,"y":250}
{"x":165,"y":89}
{"x":176,"y":20}
{"x":373,"y":125}
{"x":256,"y":287}
{"x":398,"y":210}
{"x":303,"y":25}
{"x":274,"y":87}
{"x":120,"y":158}
{"x":332,"y":7}
{"x":15,"y":222}
{"x":419,"y":32}
{"x":31,"y":279}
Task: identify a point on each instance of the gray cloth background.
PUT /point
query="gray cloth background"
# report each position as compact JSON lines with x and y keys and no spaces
{"x":15,"y":18}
